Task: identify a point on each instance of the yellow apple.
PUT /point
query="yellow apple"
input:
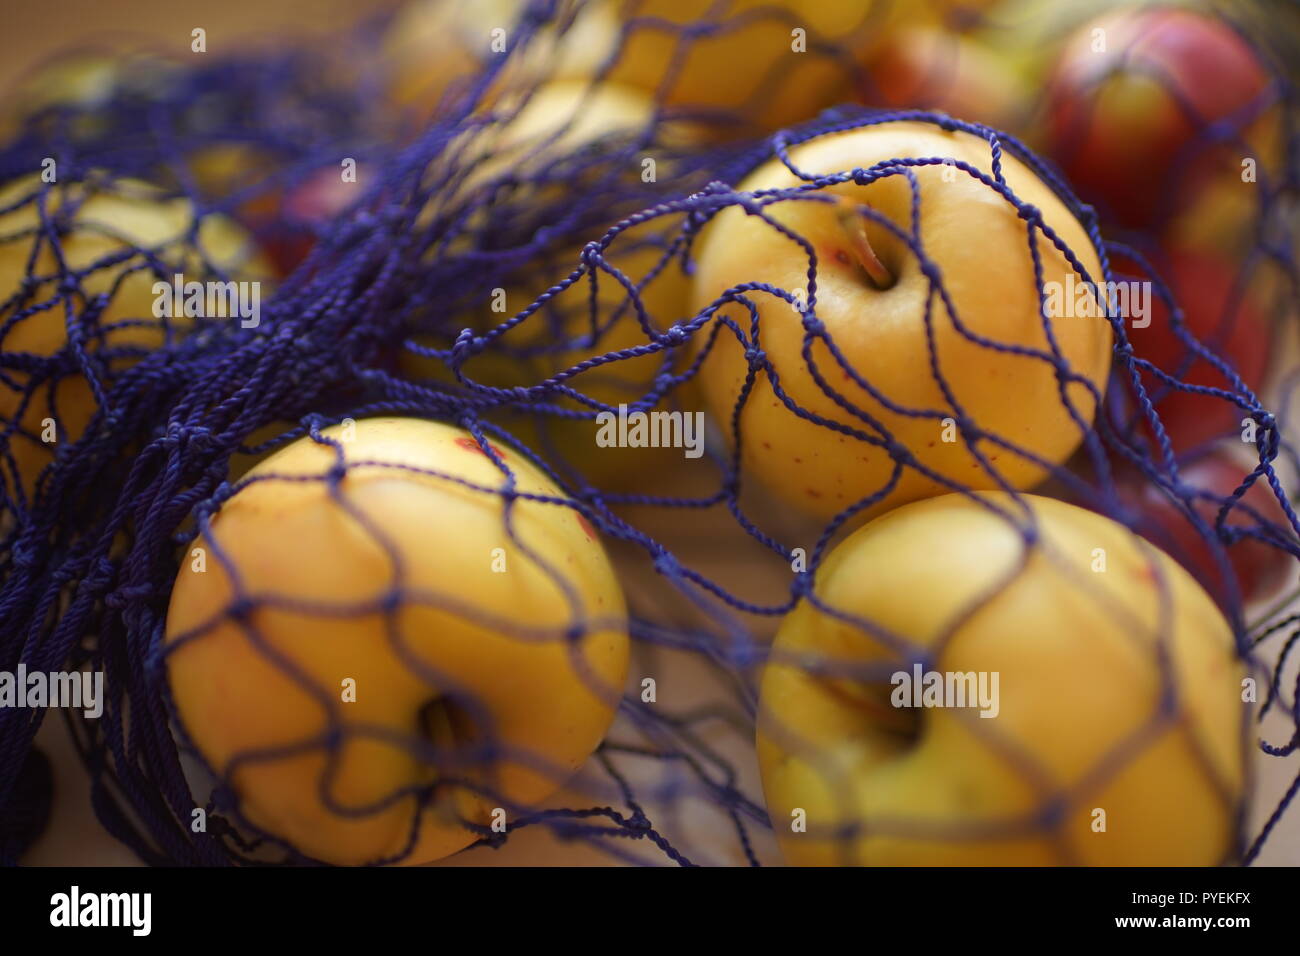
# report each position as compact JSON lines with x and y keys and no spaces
{"x":563,"y":327}
{"x":749,"y":61}
{"x":980,"y":246}
{"x":760,"y":61}
{"x":524,"y":132}
{"x":81,"y":82}
{"x":76,"y":80}
{"x":107,"y":219}
{"x":492,"y":676}
{"x":624,"y":381}
{"x":222,"y":168}
{"x":1079,"y":762}
{"x":539,"y":126}
{"x":433,"y":43}
{"x":556,"y":120}
{"x":553,"y":121}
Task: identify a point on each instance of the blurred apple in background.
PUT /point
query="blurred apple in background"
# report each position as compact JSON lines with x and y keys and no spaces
{"x":1227,"y":321}
{"x":77,"y":84}
{"x":745,"y":55}
{"x":431,"y":44}
{"x":284,"y":218}
{"x":744,"y":58}
{"x":1027,"y":34}
{"x":75,"y":81}
{"x":94,"y":220}
{"x":927,"y":67}
{"x":281,"y":219}
{"x":535,"y":127}
{"x":1131,"y":103}
{"x":1258,"y":567}
{"x":556,"y":121}
{"x":288,"y":233}
{"x":1234,"y":222}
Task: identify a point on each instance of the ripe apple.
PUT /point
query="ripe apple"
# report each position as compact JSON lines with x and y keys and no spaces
{"x":85,"y":80}
{"x":219,"y":169}
{"x":556,"y":120}
{"x":1130,"y":102}
{"x":980,"y":245}
{"x":1227,"y":322}
{"x":1259,"y":568}
{"x":742,"y":61}
{"x":285,"y":220}
{"x":524,"y":133}
{"x":467,"y":691}
{"x":628,"y":380}
{"x":561,"y":335}
{"x":287,"y":225}
{"x":927,"y":67}
{"x":538,"y":127}
{"x":433,"y":43}
{"x":76,"y":85}
{"x":1078,"y":654}
{"x":105,"y":220}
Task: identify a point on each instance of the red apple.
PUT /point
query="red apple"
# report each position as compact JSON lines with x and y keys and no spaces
{"x":1227,"y":321}
{"x":1131,"y":100}
{"x":287,"y":224}
{"x":1259,"y":568}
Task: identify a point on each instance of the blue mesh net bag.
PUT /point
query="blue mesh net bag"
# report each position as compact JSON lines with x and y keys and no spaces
{"x":671,"y":433}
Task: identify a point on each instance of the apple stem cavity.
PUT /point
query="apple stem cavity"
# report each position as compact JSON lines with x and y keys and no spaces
{"x":444,"y":725}
{"x":854,"y":224}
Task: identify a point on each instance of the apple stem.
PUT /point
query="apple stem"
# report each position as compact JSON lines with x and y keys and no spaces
{"x":854,"y":224}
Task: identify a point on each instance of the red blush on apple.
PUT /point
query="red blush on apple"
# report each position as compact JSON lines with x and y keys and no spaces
{"x":305,"y":208}
{"x":1259,"y":568}
{"x":1224,"y":321}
